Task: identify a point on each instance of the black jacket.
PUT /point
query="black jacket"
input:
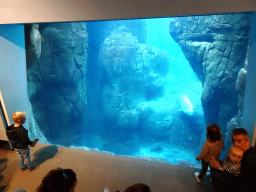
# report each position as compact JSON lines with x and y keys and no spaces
{"x":248,"y":169}
{"x":18,"y":137}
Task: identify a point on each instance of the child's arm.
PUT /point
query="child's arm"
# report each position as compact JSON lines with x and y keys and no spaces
{"x":34,"y":142}
{"x":216,"y":164}
{"x":24,"y":138}
{"x":204,"y":151}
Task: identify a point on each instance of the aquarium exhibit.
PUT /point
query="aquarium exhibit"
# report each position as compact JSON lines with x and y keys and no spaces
{"x":143,"y":88}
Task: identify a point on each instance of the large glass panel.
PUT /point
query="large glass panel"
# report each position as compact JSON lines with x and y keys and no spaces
{"x":145,"y":88}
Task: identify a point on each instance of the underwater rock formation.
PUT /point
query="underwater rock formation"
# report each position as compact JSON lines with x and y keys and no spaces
{"x":131,"y":72}
{"x":56,"y":79}
{"x":240,"y":88}
{"x":215,"y":48}
{"x":134,"y":104}
{"x":34,"y":130}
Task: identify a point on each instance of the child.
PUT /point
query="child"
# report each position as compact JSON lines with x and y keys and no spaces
{"x":212,"y":147}
{"x":18,"y":136}
{"x":230,"y":169}
{"x":232,"y":164}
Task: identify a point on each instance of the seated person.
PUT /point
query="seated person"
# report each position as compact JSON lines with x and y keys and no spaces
{"x":59,"y":179}
{"x":138,"y":187}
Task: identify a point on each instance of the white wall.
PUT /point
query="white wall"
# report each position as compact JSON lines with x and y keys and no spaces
{"x":13,"y":78}
{"x":35,"y":11}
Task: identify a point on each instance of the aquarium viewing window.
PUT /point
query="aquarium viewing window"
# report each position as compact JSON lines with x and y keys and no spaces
{"x":136,"y":87}
{"x":145,"y":88}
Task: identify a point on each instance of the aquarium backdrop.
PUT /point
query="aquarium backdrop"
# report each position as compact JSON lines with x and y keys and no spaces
{"x":145,"y":88}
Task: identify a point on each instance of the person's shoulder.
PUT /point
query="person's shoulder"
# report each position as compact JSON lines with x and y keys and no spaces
{"x":217,"y":143}
{"x":9,"y":128}
{"x":21,"y":129}
{"x":208,"y":143}
{"x":220,"y":142}
{"x":250,"y":154}
{"x":253,"y":148}
{"x":250,"y":150}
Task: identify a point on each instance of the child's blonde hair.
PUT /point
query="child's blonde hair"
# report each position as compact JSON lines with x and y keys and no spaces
{"x":235,"y":149}
{"x":18,"y":116}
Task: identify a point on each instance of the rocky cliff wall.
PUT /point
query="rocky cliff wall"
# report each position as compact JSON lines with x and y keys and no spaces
{"x":56,"y":68}
{"x":216,"y":48}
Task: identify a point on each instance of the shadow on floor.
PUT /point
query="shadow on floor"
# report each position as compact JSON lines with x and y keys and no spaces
{"x":40,"y":156}
{"x":45,"y":154}
{"x":3,"y":166}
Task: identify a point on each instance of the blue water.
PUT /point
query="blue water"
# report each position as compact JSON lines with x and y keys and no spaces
{"x":181,"y":80}
{"x":181,"y":83}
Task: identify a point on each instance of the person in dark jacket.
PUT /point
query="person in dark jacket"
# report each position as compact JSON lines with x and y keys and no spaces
{"x":20,"y":141}
{"x":246,"y":180}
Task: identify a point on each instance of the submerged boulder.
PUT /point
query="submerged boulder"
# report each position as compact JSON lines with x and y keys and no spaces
{"x":132,"y":72}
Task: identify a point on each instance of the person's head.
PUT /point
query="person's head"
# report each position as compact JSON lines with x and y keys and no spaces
{"x":213,"y":132}
{"x":59,"y":179}
{"x":235,"y":154}
{"x":240,"y":138}
{"x":138,"y":187}
{"x":19,"y":117}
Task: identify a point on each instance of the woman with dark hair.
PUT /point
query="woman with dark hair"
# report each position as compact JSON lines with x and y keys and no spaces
{"x":62,"y":180}
{"x":138,"y":187}
{"x":212,"y":147}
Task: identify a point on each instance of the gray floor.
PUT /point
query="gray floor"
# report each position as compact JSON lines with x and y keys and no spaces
{"x":95,"y":171}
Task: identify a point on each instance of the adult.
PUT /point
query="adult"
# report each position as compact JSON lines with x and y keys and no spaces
{"x":240,"y":138}
{"x":62,"y":180}
{"x":138,"y":187}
